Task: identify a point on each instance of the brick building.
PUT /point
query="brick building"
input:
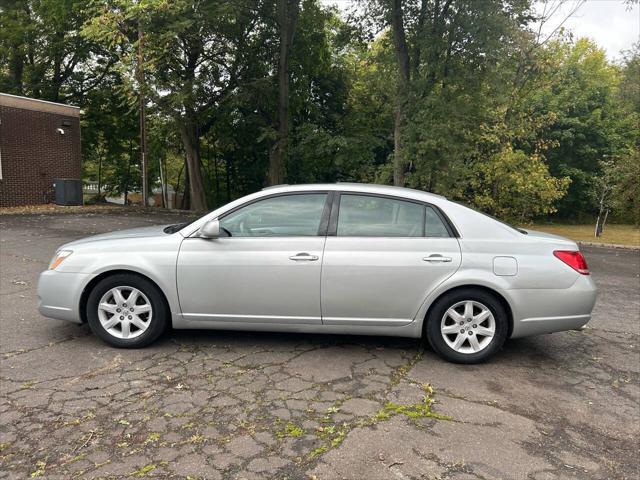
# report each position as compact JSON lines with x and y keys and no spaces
{"x":39,"y":141}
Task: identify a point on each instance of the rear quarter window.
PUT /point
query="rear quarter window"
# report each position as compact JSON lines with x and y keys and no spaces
{"x":434,"y":226}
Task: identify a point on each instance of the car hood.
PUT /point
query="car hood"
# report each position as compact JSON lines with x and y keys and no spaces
{"x":154,"y":231}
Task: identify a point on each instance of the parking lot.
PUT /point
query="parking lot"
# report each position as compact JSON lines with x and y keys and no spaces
{"x":210,"y":404}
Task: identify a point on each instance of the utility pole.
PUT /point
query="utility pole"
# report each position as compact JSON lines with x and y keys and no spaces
{"x":143,"y":126}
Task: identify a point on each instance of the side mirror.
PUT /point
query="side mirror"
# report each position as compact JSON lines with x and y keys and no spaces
{"x":211,"y":229}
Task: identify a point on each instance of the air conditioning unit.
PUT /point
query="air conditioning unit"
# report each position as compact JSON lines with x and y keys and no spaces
{"x":68,"y":191}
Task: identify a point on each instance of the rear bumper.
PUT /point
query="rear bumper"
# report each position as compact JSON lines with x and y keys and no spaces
{"x":539,"y":325}
{"x":59,"y":294}
{"x":547,"y":311}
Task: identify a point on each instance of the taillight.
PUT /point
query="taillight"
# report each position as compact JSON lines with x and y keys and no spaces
{"x":574,"y":259}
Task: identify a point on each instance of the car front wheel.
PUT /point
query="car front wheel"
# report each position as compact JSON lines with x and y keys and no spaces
{"x":467,"y":326}
{"x":127,"y":311}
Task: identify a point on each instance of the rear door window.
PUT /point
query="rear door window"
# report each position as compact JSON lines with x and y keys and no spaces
{"x":371,"y":216}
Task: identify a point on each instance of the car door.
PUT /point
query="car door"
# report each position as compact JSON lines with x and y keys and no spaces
{"x":382,"y":257}
{"x":265,"y":270}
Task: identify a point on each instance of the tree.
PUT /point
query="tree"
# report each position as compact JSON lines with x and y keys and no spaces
{"x":625,"y":195}
{"x":458,"y":97}
{"x":517,"y":187}
{"x":443,"y":49}
{"x":626,"y":187}
{"x":45,"y":55}
{"x":195,"y":53}
{"x":287,"y":20}
{"x":404,"y":77}
{"x":586,"y":122}
{"x":243,"y":138}
{"x":109,"y":137}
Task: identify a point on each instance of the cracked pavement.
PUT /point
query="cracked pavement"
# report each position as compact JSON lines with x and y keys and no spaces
{"x":230,"y":405}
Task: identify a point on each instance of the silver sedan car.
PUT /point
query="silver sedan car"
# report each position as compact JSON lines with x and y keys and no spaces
{"x":338,"y":258}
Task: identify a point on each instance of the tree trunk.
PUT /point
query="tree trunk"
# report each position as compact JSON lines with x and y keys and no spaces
{"x":399,"y":165}
{"x":165,"y":184}
{"x":402,"y":56}
{"x":215,"y":166}
{"x":186,"y":204}
{"x":601,"y":210}
{"x":142,"y":118}
{"x":604,"y":221}
{"x":16,"y":68}
{"x":177,"y":187}
{"x":99,"y":178}
{"x":190,"y":135}
{"x":288,"y":17}
{"x":228,"y":174}
{"x":126,"y":182}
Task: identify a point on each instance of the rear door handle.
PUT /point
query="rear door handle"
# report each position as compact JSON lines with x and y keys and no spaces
{"x":437,"y":258}
{"x":303,"y":257}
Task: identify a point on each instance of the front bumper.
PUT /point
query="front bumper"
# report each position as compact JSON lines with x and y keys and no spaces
{"x":553,"y":310}
{"x":59,"y":294}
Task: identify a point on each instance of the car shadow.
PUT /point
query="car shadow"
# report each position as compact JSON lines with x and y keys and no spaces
{"x":279,"y":339}
{"x":543,"y":350}
{"x":521,"y":351}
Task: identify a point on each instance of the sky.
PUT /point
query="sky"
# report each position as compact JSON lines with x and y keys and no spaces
{"x":612,"y":24}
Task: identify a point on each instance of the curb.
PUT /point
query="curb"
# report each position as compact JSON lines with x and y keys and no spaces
{"x":610,"y":245}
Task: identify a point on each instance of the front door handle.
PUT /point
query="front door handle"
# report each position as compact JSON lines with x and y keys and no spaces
{"x":437,"y":258}
{"x":304,"y":257}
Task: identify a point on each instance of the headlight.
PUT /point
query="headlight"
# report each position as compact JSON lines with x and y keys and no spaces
{"x":58,"y":258}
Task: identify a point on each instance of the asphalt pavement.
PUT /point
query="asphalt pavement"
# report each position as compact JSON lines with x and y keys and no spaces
{"x":229,"y":405}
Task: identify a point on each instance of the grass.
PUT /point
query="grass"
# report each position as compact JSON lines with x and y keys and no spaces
{"x":332,"y":436}
{"x":290,"y":430}
{"x":616,"y":234}
{"x":142,"y":472}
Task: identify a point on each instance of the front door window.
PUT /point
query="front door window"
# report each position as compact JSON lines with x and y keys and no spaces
{"x":280,"y":216}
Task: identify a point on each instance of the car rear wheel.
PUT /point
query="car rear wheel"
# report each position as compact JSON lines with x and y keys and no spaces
{"x":467,"y":326}
{"x":127,"y":310}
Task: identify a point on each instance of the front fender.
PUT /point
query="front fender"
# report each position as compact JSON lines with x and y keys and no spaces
{"x":154,"y":258}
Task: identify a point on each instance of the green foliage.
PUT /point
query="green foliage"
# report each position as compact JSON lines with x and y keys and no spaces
{"x":587,"y":121}
{"x":625,"y":195}
{"x":514,"y":186}
{"x":43,"y":54}
{"x":110,"y":138}
{"x":493,"y":117}
{"x":626,"y":162}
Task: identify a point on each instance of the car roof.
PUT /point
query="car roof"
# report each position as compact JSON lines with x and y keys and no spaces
{"x":357,"y":187}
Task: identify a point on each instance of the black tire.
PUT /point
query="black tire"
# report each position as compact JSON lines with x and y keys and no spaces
{"x":438,"y":310}
{"x":159,"y":319}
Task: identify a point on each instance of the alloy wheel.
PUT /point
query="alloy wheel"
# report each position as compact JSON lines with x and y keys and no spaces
{"x":468,"y":327}
{"x":125,"y":312}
